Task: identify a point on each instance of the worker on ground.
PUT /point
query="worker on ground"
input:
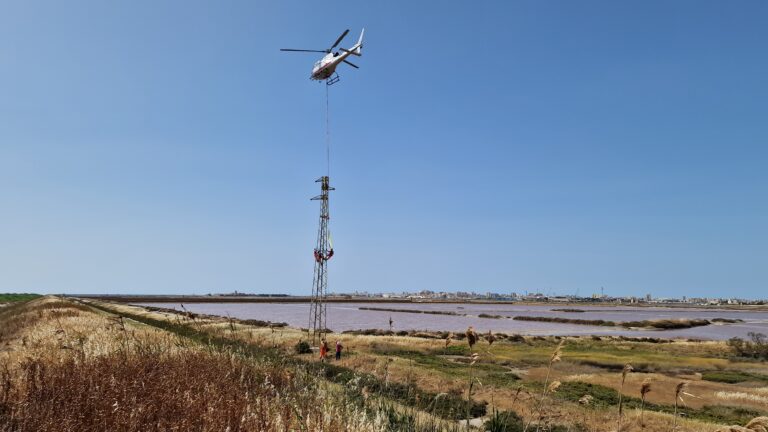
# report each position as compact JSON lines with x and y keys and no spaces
{"x":323,"y":350}
{"x":338,"y":350}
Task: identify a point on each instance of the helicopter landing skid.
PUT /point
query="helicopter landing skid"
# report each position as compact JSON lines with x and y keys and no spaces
{"x":332,"y":80}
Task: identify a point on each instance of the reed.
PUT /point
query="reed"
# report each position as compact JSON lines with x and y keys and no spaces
{"x":624,"y":372}
{"x":471,"y":341}
{"x":679,"y":391}
{"x":490,"y":338}
{"x":556,"y":356}
{"x":757,"y":424}
{"x":471,"y":337}
{"x":645,"y":388}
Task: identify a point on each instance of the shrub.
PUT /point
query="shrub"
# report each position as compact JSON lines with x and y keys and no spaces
{"x":655,"y":324}
{"x":260,"y":323}
{"x":756,"y":347}
{"x":504,"y":421}
{"x":302,"y":347}
{"x":485,"y":315}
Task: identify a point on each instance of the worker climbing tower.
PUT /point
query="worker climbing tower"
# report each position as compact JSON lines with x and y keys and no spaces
{"x":323,"y":252}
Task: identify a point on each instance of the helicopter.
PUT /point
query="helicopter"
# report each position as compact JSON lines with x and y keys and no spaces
{"x":325,"y":68}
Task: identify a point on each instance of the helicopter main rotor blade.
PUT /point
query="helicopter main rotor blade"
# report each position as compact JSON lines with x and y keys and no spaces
{"x":351,"y":64}
{"x":300,"y":50}
{"x":338,"y":41}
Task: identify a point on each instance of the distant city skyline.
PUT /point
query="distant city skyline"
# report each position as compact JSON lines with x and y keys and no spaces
{"x":429,"y":294}
{"x":172,"y":148}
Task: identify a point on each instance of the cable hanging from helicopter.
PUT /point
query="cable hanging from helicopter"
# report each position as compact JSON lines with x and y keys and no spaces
{"x":325,"y":70}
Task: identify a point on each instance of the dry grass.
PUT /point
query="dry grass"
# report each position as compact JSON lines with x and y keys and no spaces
{"x":67,"y":368}
{"x":191,"y":390}
{"x":582,"y":360}
{"x":742,"y":397}
{"x":759,"y":424}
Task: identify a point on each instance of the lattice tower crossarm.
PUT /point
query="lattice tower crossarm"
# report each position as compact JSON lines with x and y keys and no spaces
{"x":323,"y":252}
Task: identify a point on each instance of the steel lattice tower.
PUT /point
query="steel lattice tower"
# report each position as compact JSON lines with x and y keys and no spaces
{"x":323,"y":252}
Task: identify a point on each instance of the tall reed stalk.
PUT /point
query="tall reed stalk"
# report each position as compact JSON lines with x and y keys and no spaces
{"x":645,"y":388}
{"x":554,"y":358}
{"x":471,"y":340}
{"x":627,"y":369}
{"x":475,"y":357}
{"x":679,"y":390}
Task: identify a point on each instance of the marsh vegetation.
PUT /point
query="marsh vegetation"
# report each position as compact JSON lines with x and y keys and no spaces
{"x":82,"y":366}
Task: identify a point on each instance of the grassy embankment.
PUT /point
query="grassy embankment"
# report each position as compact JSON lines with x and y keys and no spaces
{"x":366,"y":390}
{"x":69,"y":367}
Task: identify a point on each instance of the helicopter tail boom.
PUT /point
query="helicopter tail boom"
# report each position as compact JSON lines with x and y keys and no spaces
{"x":358,"y":48}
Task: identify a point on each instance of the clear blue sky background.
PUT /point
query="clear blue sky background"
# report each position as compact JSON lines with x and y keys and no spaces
{"x":169,"y":147}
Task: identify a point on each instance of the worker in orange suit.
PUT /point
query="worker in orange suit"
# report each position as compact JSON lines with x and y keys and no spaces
{"x":323,"y":349}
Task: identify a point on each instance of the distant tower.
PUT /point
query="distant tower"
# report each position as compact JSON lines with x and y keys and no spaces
{"x":323,"y":252}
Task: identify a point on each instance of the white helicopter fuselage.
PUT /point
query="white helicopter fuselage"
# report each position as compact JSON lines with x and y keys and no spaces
{"x":326,"y":66}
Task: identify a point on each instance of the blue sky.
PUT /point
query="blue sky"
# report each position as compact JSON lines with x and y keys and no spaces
{"x":169,"y":147}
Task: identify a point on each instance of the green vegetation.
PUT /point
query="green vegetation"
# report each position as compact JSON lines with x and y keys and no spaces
{"x":606,"y":398}
{"x":756,"y":347}
{"x":456,"y":368}
{"x":302,"y":347}
{"x":504,"y":421}
{"x":17,"y":297}
{"x":509,"y":421}
{"x":733,"y":377}
{"x":447,"y":406}
{"x":484,"y":315}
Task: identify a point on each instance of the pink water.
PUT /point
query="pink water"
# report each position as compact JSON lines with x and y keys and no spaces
{"x":348,"y":316}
